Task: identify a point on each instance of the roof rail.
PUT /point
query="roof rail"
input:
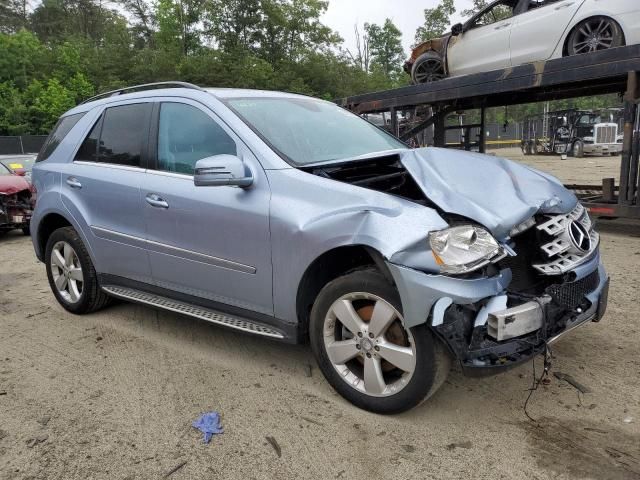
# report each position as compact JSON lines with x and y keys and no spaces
{"x":146,"y":86}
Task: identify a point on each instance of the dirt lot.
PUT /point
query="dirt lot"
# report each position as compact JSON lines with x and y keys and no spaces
{"x":113,"y":395}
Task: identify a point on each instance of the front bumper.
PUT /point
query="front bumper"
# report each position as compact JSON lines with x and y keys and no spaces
{"x":14,"y":219}
{"x":459,"y":312}
{"x":603,"y":148}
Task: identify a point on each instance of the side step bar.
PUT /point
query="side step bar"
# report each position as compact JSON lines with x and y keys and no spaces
{"x":195,"y":311}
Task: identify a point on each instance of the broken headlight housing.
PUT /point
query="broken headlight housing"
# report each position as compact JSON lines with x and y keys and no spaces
{"x":463,"y":249}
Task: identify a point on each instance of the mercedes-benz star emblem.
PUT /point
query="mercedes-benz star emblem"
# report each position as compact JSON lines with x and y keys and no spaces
{"x":579,"y":236}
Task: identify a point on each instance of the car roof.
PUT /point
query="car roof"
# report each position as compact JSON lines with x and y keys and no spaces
{"x":220,"y":93}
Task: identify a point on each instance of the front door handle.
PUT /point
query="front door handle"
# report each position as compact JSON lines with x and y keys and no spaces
{"x":504,"y":25}
{"x":74,"y":183}
{"x":564,"y":5}
{"x":156,"y":201}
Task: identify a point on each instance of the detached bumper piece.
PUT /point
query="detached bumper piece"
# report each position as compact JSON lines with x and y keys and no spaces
{"x":522,"y":330}
{"x":516,"y":321}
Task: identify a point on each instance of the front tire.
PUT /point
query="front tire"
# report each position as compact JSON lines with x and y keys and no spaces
{"x":428,"y":68}
{"x":72,"y":277}
{"x":364,"y":350}
{"x":578,"y":149}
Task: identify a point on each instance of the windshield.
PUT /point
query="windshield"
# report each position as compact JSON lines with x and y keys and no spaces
{"x":589,"y":119}
{"x":25,"y":163}
{"x":4,"y":170}
{"x":307,"y":131}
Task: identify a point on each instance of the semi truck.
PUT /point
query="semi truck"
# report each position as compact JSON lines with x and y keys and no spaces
{"x":571,"y":132}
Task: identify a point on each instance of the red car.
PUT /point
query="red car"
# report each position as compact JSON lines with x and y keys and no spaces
{"x":17,"y":199}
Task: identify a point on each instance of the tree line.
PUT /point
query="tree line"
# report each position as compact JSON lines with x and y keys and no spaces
{"x":56,"y":53}
{"x":59,"y":52}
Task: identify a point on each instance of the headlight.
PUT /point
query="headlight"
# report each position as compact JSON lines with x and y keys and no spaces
{"x":463,"y":249}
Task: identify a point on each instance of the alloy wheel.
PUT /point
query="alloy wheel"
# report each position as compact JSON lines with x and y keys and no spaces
{"x":593,"y":35}
{"x":429,"y":70}
{"x":67,"y":272}
{"x":368,"y":345}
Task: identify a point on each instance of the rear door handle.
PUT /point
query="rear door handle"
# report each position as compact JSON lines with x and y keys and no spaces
{"x":564,"y":5}
{"x":74,"y":183}
{"x":504,"y":25}
{"x":156,"y":201}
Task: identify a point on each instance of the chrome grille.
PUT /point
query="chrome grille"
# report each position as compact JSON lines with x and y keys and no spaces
{"x":606,"y":134}
{"x":561,"y":253}
{"x":572,"y":293}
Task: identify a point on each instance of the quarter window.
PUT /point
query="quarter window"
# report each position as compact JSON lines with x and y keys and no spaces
{"x":185,"y":135}
{"x":60,"y":130}
{"x":117,"y":137}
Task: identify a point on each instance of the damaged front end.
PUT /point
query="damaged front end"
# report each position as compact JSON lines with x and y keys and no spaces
{"x":535,"y":274}
{"x":15,"y":210}
{"x":551,"y":281}
{"x":438,"y":45}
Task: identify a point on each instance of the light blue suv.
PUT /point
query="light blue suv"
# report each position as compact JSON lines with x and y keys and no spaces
{"x":288,"y":217}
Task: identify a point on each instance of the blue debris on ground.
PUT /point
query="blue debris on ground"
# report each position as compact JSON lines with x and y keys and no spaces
{"x":209,"y":424}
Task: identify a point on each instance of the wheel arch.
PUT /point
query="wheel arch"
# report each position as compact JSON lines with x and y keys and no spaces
{"x":328,"y":266}
{"x":48,"y":224}
{"x":565,"y":43}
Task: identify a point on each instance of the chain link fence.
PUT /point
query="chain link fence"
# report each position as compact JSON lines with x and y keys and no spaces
{"x":12,"y":145}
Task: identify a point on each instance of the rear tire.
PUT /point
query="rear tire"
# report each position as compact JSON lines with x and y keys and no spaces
{"x":72,"y":277}
{"x":428,"y":68}
{"x":26,"y":231}
{"x":594,"y":34}
{"x":391,"y":389}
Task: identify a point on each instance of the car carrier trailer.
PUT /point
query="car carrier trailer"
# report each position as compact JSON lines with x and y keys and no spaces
{"x":603,"y":72}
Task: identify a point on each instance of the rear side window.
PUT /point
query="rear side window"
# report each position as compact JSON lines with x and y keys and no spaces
{"x":60,"y":130}
{"x":117,"y":137}
{"x":186,"y":135}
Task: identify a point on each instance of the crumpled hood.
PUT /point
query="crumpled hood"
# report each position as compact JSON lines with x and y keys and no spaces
{"x":493,"y":191}
{"x":12,"y":184}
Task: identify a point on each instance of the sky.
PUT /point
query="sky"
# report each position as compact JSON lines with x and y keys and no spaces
{"x":407,"y":15}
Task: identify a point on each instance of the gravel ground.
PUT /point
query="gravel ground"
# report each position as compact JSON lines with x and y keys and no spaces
{"x":112,"y":395}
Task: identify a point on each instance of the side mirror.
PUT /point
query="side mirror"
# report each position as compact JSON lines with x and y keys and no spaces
{"x":457,"y":29}
{"x":222,"y":170}
{"x":21,"y":172}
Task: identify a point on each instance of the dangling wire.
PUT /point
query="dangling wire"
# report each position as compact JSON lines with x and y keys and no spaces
{"x":537,"y":381}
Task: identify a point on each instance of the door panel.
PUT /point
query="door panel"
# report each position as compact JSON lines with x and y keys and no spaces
{"x":480,"y":49}
{"x":109,"y":201}
{"x":537,"y":32}
{"x":103,"y":188}
{"x":209,"y":242}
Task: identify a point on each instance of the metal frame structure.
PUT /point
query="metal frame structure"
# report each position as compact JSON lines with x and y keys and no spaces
{"x":598,"y":73}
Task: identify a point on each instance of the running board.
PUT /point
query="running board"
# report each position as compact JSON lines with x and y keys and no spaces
{"x":195,"y":311}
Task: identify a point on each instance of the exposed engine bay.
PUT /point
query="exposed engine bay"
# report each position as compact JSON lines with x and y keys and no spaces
{"x":384,"y":174}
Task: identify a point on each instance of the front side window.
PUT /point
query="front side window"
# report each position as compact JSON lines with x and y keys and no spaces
{"x":60,"y":130}
{"x":305,"y":131}
{"x":117,"y":137}
{"x":185,"y":135}
{"x":533,"y":4}
{"x":499,"y":11}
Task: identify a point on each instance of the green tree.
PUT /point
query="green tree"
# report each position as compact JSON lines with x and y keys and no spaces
{"x":385,"y":44}
{"x":436,"y":21}
{"x":476,"y":7}
{"x":14,"y":15}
